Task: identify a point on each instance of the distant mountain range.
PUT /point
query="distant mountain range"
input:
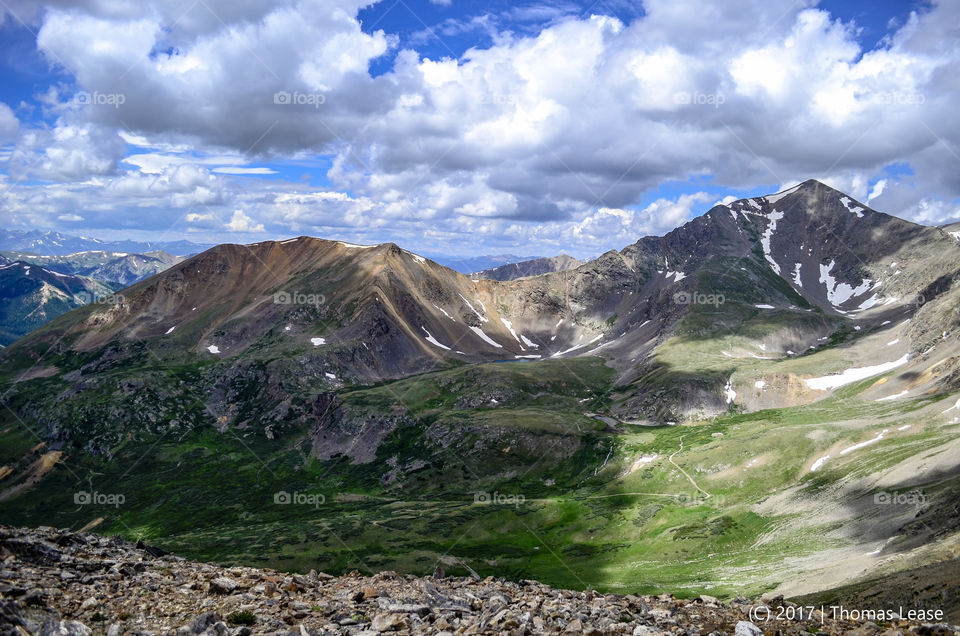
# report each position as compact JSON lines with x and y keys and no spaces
{"x":533,"y":267}
{"x":116,"y":268}
{"x":477,"y":263}
{"x":31,"y":296}
{"x":56,"y":244}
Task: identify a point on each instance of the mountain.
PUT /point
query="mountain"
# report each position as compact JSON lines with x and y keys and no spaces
{"x":30,"y":296}
{"x":57,"y":244}
{"x":477,"y":263}
{"x":533,"y":267}
{"x":118,"y":268}
{"x":762,"y":399}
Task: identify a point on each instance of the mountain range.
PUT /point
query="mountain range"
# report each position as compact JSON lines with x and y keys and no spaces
{"x":762,"y":399}
{"x":56,"y":244}
{"x":532,"y":267}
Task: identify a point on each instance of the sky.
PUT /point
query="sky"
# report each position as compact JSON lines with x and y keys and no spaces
{"x":462,"y":127}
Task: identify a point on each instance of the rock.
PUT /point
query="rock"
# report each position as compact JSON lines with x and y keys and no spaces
{"x":746,"y":628}
{"x":64,"y":628}
{"x":223,"y":585}
{"x":90,"y":603}
{"x":168,"y":596}
{"x":388,"y":622}
{"x":202,"y":622}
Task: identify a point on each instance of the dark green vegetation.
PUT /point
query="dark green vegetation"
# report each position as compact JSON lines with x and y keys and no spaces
{"x":529,"y":486}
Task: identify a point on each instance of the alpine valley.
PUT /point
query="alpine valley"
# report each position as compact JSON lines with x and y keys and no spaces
{"x":762,"y":400}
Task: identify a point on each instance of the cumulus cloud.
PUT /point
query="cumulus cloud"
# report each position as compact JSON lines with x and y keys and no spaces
{"x":240,"y":222}
{"x":541,"y":137}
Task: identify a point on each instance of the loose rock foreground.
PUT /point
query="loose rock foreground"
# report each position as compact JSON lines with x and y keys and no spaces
{"x":56,"y":582}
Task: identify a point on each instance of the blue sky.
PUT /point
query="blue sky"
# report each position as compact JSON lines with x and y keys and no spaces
{"x":466,"y":127}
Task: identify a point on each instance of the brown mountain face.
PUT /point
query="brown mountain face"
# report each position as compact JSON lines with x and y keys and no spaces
{"x":796,"y":266}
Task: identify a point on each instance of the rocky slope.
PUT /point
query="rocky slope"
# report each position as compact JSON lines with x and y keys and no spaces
{"x":59,"y":582}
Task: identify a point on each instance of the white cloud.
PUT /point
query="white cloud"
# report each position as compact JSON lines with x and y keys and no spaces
{"x":548,"y":137}
{"x":9,"y":124}
{"x":240,"y":222}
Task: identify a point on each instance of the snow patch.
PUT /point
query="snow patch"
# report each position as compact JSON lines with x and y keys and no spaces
{"x":575,"y":347}
{"x":759,"y":384}
{"x":526,"y":341}
{"x":169,"y":331}
{"x":728,"y":391}
{"x":767,"y":235}
{"x":446,"y":314}
{"x":213,"y":349}
{"x":329,"y":375}
{"x":817,"y":465}
{"x":893,"y":397}
{"x":479,"y":315}
{"x":509,"y":326}
{"x":796,"y":275}
{"x":839,"y":293}
{"x":876,"y":439}
{"x":773,"y":198}
{"x":764,"y":306}
{"x":854,"y":375}
{"x":318,"y":341}
{"x":856,"y":209}
{"x":433,"y":340}
{"x":485,"y":337}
